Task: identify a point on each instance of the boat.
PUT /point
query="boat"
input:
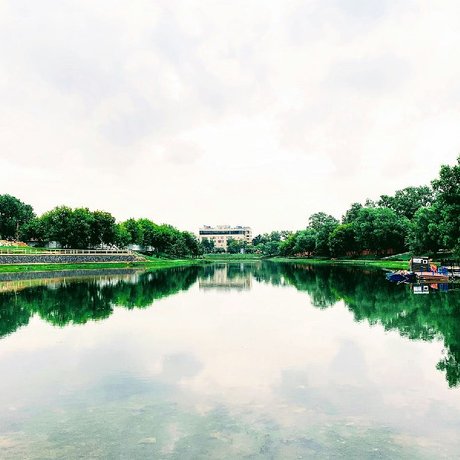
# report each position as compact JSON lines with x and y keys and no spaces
{"x":425,"y":270}
{"x":401,"y":276}
{"x":421,"y":269}
{"x":432,"y":277}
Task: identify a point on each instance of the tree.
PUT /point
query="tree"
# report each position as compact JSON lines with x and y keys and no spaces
{"x":305,"y":242}
{"x":192,"y":244}
{"x":103,"y":230}
{"x":323,"y":224}
{"x":122,"y":236}
{"x":149,"y":232}
{"x":408,"y":201}
{"x":235,"y":246}
{"x":56,"y":224}
{"x":424,"y":235}
{"x":71,"y":228}
{"x":447,"y":195}
{"x":287,"y":246}
{"x":342,"y":240}
{"x":163,"y":238}
{"x":380,"y":229}
{"x":351,"y":215}
{"x":33,"y":230}
{"x":134,"y":230}
{"x":207,"y":246}
{"x":13,"y":215}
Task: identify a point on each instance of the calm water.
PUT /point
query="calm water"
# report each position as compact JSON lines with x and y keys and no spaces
{"x":228,"y":361}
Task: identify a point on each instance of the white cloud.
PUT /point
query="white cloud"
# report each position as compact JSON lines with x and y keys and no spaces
{"x":253,"y":113}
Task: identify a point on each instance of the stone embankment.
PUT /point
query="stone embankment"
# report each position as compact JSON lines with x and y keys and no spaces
{"x":10,"y":259}
{"x":67,"y":274}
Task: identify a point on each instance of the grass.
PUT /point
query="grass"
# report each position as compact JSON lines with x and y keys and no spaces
{"x":386,"y":264}
{"x":148,"y":265}
{"x":231,"y":257}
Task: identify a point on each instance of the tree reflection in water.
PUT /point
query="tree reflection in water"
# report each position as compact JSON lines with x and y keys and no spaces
{"x":365,"y":293}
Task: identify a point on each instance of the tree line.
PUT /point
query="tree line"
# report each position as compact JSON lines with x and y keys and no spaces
{"x":420,"y":219}
{"x":81,"y":228}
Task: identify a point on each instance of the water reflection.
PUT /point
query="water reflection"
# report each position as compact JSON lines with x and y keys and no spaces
{"x":75,"y":300}
{"x":261,"y":360}
{"x":226,"y":276}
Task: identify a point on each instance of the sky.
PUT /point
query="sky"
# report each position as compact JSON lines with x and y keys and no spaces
{"x":254,"y":113}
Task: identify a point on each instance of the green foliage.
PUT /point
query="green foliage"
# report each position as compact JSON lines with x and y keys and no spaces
{"x":270,"y":244}
{"x":235,"y":246}
{"x":447,"y":193}
{"x":351,"y":215}
{"x":323,"y":224}
{"x":305,"y":242}
{"x":380,"y":229}
{"x":122,"y":235}
{"x":103,"y":229}
{"x":14,"y":214}
{"x":207,"y":246}
{"x":424,"y":235}
{"x":342,"y":240}
{"x":408,"y":201}
{"x":77,"y":228}
{"x":134,"y":231}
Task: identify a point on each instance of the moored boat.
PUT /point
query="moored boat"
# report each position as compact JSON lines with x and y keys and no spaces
{"x":421,"y":269}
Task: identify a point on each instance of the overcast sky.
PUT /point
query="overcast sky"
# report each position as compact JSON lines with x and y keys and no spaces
{"x":243,"y":112}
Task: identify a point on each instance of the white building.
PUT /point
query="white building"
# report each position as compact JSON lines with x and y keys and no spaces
{"x":222,"y":233}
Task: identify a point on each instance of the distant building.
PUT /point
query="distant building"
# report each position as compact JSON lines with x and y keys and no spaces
{"x":222,"y":233}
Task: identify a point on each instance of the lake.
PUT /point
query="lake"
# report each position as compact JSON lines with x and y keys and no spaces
{"x":252,"y":360}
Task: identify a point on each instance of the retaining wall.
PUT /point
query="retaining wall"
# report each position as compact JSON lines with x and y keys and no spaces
{"x":59,"y":274}
{"x":7,"y":259}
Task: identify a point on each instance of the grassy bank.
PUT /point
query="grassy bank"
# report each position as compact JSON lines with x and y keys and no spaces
{"x":154,"y":263}
{"x":377,"y":263}
{"x":384,"y":264}
{"x":148,"y":265}
{"x":231,"y":257}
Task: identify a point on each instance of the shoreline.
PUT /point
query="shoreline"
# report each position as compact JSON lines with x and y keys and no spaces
{"x":147,"y":265}
{"x":376,"y":263}
{"x":363,"y":263}
{"x":218,"y":258}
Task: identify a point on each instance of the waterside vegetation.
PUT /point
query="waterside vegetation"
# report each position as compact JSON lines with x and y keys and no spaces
{"x":419,"y":220}
{"x":150,"y":263}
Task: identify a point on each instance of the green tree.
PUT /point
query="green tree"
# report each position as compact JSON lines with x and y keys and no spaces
{"x":148,"y":230}
{"x":342,"y":240}
{"x":122,"y":236}
{"x":235,"y":246}
{"x":33,"y":230}
{"x":71,"y":228}
{"x":323,"y":224}
{"x":447,"y":194}
{"x":424,"y":235}
{"x":408,"y":201}
{"x":305,"y":242}
{"x":207,"y":246}
{"x":192,"y":244}
{"x":13,"y":215}
{"x":134,"y":230}
{"x":103,"y":229}
{"x":350,"y":216}
{"x":380,"y":229}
